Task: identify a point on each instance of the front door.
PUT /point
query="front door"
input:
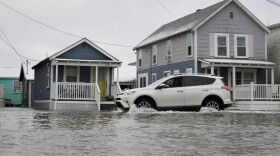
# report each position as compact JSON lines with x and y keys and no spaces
{"x":102,"y":74}
{"x":173,"y":94}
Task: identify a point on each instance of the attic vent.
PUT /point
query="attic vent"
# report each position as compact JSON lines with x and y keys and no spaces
{"x":198,"y":10}
{"x":231,"y":15}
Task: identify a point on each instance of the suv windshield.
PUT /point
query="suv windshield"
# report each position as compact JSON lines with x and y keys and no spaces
{"x":158,"y":82}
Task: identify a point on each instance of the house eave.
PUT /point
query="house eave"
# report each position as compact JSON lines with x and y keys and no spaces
{"x":74,"y":62}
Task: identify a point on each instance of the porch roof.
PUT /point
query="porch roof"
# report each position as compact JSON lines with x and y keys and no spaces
{"x":237,"y":63}
{"x":74,"y":62}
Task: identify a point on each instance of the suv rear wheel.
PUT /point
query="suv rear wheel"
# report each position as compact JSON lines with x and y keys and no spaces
{"x":145,"y":103}
{"x":213,"y":103}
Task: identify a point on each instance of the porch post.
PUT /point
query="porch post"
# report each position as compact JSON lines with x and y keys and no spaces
{"x":272,"y":75}
{"x":212,"y":70}
{"x":233,"y":82}
{"x":118,"y":75}
{"x":96,"y":74}
{"x":56,"y":81}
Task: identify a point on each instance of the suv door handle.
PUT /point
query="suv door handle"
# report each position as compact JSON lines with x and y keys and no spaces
{"x":180,"y":91}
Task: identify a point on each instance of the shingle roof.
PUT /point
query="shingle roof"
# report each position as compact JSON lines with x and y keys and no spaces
{"x":181,"y":25}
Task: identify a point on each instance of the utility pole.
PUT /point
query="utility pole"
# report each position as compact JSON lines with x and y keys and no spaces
{"x":27,"y":66}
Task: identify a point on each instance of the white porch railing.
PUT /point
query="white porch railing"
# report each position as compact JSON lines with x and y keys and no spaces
{"x":116,"y":89}
{"x":76,"y":91}
{"x":256,"y":92}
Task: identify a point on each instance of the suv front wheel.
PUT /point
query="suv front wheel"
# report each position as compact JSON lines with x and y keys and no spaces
{"x":145,"y":103}
{"x":213,"y":103}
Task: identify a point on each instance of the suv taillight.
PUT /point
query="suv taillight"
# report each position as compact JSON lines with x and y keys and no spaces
{"x":225,"y":87}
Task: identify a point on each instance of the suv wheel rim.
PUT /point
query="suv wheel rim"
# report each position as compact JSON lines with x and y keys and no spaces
{"x":213,"y":104}
{"x":144,"y":104}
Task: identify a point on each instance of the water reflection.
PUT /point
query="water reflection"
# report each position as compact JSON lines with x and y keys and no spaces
{"x":140,"y":132}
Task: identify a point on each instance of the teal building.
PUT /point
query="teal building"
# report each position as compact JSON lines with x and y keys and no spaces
{"x":12,"y":89}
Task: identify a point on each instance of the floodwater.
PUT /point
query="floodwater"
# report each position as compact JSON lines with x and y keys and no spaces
{"x":31,"y":132}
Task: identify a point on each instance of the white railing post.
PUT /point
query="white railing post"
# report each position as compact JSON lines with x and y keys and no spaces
{"x":252,"y":91}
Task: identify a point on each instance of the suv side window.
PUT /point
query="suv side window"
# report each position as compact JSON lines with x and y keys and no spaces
{"x":174,"y":82}
{"x":197,"y":81}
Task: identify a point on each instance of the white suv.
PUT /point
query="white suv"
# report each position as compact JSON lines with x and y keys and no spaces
{"x":178,"y":93}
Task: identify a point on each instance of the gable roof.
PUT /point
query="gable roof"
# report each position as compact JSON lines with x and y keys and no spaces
{"x":27,"y":76}
{"x":73,"y":46}
{"x":193,"y":21}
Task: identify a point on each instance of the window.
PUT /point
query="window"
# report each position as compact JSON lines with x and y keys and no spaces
{"x":154,"y":51}
{"x":231,"y":15}
{"x":17,"y":87}
{"x":189,"y":71}
{"x":174,"y":82}
{"x":48,"y":75}
{"x":222,"y":45}
{"x":197,"y":81}
{"x":176,"y":72}
{"x":169,"y":51}
{"x":189,"y":45}
{"x":140,"y":59}
{"x":71,"y":74}
{"x":166,"y":73}
{"x":241,"y":46}
{"x":248,"y":77}
{"x":142,"y":80}
{"x":154,"y":78}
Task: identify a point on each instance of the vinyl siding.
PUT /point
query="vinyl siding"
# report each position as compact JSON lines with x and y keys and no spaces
{"x":9,"y":90}
{"x":83,"y":52}
{"x":41,"y":83}
{"x":240,"y":24}
{"x":159,"y":70}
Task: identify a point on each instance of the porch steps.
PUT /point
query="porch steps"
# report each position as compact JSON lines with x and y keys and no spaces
{"x":234,"y":107}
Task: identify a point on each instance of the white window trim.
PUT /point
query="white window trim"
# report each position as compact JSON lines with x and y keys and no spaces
{"x":216,"y":44}
{"x":175,"y":72}
{"x":171,"y":53}
{"x":140,"y":56}
{"x":143,"y":75}
{"x":189,"y":71}
{"x":189,"y":44}
{"x":246,"y":42}
{"x":154,"y":74}
{"x":168,"y":71}
{"x":154,"y":49}
{"x":14,"y":87}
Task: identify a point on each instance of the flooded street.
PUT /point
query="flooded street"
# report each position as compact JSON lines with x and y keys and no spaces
{"x":31,"y":132}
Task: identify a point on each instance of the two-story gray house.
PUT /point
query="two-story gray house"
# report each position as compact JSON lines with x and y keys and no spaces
{"x":224,"y":39}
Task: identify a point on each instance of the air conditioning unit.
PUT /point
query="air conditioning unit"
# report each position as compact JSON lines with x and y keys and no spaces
{"x":168,"y":58}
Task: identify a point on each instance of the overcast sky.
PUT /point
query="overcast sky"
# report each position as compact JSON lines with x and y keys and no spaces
{"x":125,"y":22}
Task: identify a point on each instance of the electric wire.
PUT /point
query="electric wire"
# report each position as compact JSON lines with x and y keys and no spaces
{"x":59,"y":30}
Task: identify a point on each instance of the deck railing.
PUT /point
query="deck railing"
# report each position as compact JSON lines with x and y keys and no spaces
{"x":256,"y":92}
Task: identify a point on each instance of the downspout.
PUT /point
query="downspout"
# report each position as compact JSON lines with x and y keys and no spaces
{"x":195,"y":51}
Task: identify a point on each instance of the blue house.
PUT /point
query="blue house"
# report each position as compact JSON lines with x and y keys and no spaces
{"x":10,"y":87}
{"x":78,"y":77}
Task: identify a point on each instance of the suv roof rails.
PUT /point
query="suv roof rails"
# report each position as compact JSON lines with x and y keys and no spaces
{"x":194,"y":74}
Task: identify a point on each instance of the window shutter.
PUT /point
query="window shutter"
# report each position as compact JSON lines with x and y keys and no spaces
{"x":251,"y":46}
{"x":212,"y":44}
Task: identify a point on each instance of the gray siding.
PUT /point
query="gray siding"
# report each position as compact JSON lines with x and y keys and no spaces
{"x":84,"y":51}
{"x":179,"y":52}
{"x":240,"y":24}
{"x":41,"y":83}
{"x":273,"y":45}
{"x":159,"y":70}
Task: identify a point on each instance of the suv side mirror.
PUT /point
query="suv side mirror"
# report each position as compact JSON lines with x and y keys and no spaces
{"x":162,"y":86}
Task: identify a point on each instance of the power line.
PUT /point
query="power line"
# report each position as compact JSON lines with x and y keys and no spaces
{"x":274,"y":2}
{"x":1,"y":50}
{"x":10,"y":45}
{"x":166,"y":9}
{"x":59,"y":30}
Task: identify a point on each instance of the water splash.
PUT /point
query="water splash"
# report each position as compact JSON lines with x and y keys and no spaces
{"x":134,"y":110}
{"x":208,"y":110}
